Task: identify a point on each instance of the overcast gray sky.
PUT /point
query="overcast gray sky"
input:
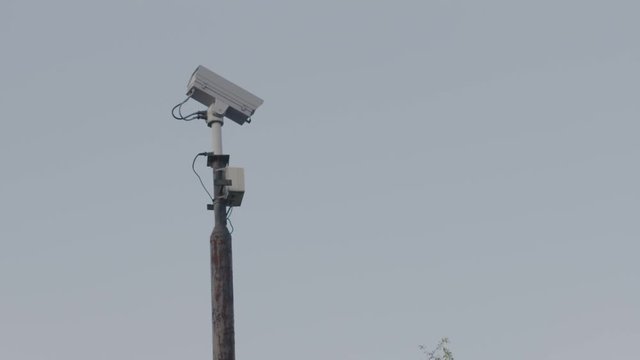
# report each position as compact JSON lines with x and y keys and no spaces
{"x":419,"y":169}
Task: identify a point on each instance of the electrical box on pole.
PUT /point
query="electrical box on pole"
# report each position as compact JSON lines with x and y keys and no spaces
{"x":235,"y":191}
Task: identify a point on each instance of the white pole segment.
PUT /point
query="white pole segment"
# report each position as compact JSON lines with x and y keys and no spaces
{"x":216,"y":132}
{"x":215,"y":114}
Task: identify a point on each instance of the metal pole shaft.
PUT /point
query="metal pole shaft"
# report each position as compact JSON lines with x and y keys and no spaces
{"x":221,"y":258}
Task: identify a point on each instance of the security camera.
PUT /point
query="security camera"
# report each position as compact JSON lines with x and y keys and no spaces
{"x":230,"y":100}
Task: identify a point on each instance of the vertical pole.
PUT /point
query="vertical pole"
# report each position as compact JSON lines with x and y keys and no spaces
{"x":221,"y":259}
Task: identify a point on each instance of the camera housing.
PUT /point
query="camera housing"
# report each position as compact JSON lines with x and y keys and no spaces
{"x":208,"y":88}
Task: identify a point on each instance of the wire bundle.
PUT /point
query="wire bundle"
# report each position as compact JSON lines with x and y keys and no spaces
{"x":193,"y":116}
{"x":193,"y":167}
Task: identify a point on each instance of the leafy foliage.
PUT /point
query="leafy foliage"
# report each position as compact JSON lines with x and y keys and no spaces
{"x":441,"y":352}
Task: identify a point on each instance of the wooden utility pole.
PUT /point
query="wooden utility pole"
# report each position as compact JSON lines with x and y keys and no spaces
{"x":221,"y":253}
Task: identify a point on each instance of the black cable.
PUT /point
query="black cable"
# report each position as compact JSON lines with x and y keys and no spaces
{"x":229,"y":212}
{"x":230,"y":224}
{"x":173,"y":111}
{"x":192,"y":116}
{"x":193,"y":167}
{"x":230,"y":209}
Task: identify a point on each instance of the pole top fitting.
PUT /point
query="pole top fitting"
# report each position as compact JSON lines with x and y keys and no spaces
{"x":215,"y":113}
